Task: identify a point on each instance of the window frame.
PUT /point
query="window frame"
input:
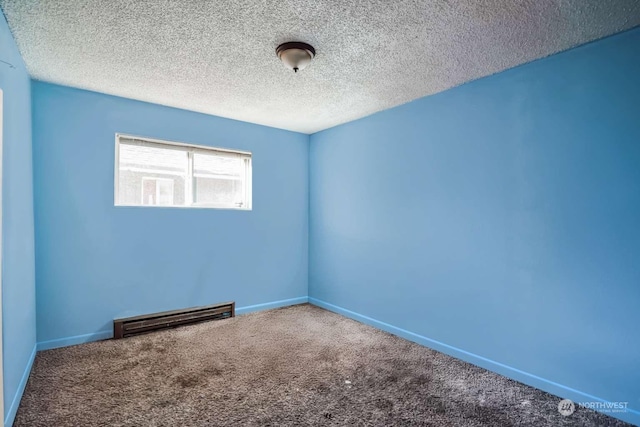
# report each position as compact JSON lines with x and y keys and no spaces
{"x":189,"y":149}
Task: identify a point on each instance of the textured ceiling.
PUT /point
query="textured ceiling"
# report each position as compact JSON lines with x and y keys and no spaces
{"x":218,"y":57}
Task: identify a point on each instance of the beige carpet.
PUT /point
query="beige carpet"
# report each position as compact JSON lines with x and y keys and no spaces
{"x":294,"y":366}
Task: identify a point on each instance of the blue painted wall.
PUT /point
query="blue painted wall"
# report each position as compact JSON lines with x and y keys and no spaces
{"x":96,"y":261}
{"x":18,"y":271}
{"x":500,"y":218}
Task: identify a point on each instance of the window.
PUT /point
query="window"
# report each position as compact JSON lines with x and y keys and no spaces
{"x":158,"y":173}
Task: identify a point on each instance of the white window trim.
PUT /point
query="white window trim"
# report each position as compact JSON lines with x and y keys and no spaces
{"x":189,"y":204}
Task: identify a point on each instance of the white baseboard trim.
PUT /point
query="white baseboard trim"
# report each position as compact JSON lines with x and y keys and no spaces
{"x":15,"y":403}
{"x":630,"y":416}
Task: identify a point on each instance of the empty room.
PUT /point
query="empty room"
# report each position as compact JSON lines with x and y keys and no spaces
{"x":322,"y":213}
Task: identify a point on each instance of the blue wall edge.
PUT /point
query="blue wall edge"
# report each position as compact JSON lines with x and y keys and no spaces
{"x":271,"y":305}
{"x":15,"y":403}
{"x":105,"y":335}
{"x":630,"y":416}
{"x":78,"y":339}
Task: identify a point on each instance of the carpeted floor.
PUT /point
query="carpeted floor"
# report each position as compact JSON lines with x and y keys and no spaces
{"x":294,"y":366}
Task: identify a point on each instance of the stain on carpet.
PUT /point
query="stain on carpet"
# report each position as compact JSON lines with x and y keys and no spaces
{"x":294,"y":366}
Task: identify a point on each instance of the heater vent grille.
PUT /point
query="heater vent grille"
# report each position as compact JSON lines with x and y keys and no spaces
{"x":130,"y":326}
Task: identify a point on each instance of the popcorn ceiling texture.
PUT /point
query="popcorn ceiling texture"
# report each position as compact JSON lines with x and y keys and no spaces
{"x":218,"y":57}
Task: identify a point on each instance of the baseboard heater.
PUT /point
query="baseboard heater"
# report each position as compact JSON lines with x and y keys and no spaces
{"x":130,"y":326}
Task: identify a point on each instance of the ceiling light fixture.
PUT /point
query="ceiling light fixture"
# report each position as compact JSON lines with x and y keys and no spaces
{"x":295,"y":55}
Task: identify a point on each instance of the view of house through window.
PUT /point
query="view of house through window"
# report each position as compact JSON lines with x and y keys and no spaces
{"x":157,"y":173}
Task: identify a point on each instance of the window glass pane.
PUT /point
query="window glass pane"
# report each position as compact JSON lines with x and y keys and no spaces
{"x":158,"y":173}
{"x":151,"y":175}
{"x":218,"y":179}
